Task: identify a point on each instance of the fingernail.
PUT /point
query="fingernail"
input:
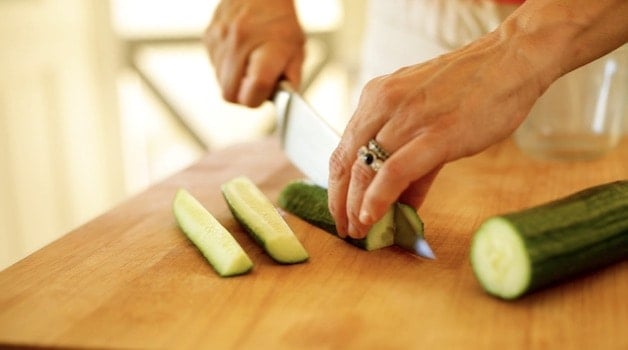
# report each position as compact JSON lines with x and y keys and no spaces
{"x":365,"y":217}
{"x":342,"y":233}
{"x":341,"y":229}
{"x":352,"y":231}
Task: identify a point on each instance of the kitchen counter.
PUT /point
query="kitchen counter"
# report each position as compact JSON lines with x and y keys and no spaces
{"x":130,"y":279}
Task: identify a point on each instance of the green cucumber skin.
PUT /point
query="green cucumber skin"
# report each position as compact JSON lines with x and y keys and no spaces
{"x":576,"y":234}
{"x":302,"y":199}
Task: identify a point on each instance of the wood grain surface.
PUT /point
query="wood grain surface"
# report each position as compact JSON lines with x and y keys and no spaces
{"x":130,"y":279}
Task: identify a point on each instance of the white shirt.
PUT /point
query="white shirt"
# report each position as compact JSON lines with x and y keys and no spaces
{"x":400,"y":33}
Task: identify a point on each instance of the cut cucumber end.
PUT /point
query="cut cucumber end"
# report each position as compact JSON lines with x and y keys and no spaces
{"x":216,"y":244}
{"x":500,"y":260}
{"x":286,"y":250}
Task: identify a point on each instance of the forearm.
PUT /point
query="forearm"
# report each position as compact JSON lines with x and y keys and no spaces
{"x":558,"y":36}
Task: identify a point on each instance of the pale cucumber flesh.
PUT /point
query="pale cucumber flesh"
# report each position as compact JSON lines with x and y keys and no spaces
{"x":261,"y":219}
{"x":500,"y":260}
{"x":380,"y":235}
{"x":218,"y":246}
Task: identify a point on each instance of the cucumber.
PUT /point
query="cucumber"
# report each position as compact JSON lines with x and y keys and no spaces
{"x":408,"y":225}
{"x":380,"y":235}
{"x":517,"y":253}
{"x":400,"y":225}
{"x":309,"y":202}
{"x":218,"y":246}
{"x":409,"y":231}
{"x":255,"y":212}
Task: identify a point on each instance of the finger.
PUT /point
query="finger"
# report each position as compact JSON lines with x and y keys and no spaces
{"x":230,"y":73}
{"x":265,"y":67}
{"x":338,"y":183}
{"x":219,"y":67}
{"x":361,"y":176}
{"x":356,"y":184}
{"x":293,"y":71}
{"x":215,"y":34}
{"x":361,"y":127}
{"x":340,"y":169}
{"x":215,"y":40}
{"x":414,"y":160}
{"x":236,"y":45}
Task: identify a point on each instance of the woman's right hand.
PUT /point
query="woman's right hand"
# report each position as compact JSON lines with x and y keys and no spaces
{"x":252,"y":44}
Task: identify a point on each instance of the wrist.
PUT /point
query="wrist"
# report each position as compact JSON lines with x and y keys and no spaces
{"x":556,"y":37}
{"x":538,"y":38}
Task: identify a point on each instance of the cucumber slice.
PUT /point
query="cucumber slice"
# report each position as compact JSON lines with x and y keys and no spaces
{"x":309,"y":202}
{"x":216,"y":243}
{"x":260,"y":218}
{"x":380,"y":235}
{"x":517,"y":253}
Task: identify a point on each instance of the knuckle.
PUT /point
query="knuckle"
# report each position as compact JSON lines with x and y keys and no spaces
{"x":337,"y":166}
{"x":390,"y":96}
{"x":216,"y":32}
{"x":238,"y":30}
{"x":385,"y":90}
{"x":213,"y":39}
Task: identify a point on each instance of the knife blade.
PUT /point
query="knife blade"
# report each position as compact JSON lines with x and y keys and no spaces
{"x":308,"y":141}
{"x":306,"y":138}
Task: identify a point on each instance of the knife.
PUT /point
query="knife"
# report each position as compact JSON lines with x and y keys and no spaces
{"x":308,"y":141}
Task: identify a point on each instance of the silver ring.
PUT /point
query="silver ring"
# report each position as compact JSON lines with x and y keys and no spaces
{"x":370,"y":158}
{"x":379,"y":151}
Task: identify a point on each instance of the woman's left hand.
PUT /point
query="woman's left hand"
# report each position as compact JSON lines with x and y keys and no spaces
{"x":425,"y":116}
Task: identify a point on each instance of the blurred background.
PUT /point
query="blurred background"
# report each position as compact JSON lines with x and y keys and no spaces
{"x":100,"y":99}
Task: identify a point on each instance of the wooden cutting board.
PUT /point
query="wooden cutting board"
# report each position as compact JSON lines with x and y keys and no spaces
{"x":130,"y":279}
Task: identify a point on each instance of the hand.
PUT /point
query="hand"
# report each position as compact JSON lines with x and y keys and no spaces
{"x":459,"y":104}
{"x":252,"y":44}
{"x":424,"y":116}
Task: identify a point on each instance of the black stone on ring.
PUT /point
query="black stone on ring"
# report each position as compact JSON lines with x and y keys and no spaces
{"x":370,"y":158}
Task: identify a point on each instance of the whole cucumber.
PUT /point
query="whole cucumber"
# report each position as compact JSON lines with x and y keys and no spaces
{"x":519,"y":252}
